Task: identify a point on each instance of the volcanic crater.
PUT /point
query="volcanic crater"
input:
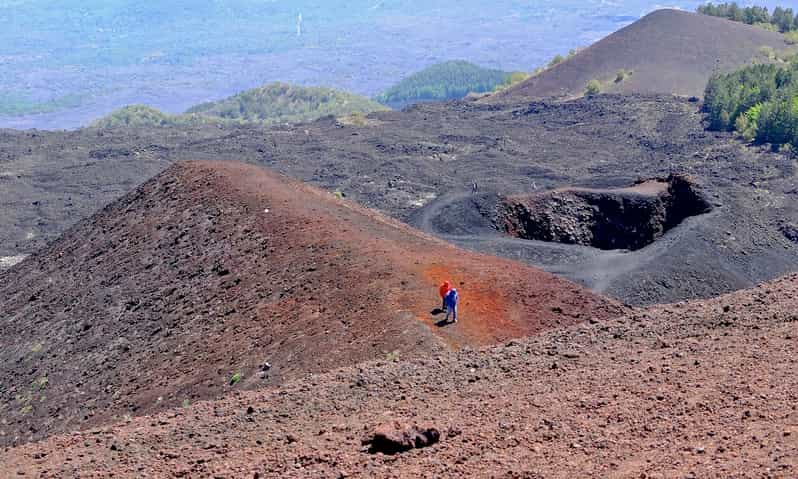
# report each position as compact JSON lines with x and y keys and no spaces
{"x":609,"y":219}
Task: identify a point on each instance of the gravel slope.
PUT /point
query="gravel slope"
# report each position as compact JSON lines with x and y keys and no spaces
{"x":214,"y":269}
{"x":666,"y":52}
{"x":698,"y":389}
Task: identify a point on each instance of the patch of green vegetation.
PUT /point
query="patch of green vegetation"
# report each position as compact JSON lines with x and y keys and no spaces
{"x":766,"y":26}
{"x":186,"y":403}
{"x":791,"y":37}
{"x":41,"y":383}
{"x":444,"y":81}
{"x":593,"y":88}
{"x":393,"y":356}
{"x":27,"y":409}
{"x":555,"y":61}
{"x":36,"y":348}
{"x":514,"y":79}
{"x":272,"y":103}
{"x":759,"y":102}
{"x":782,"y":19}
{"x":137,"y":116}
{"x":284,"y":103}
{"x":622,"y":75}
{"x":768,"y":52}
{"x":236,"y":378}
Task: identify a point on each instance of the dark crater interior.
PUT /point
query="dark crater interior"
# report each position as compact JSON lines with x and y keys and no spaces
{"x":609,"y":219}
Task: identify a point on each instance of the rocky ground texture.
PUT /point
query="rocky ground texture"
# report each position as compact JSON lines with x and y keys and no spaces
{"x":418,"y":166}
{"x":218,"y":276}
{"x":694,"y":389}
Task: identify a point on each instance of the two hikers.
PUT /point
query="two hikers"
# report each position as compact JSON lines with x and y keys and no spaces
{"x":449,"y":298}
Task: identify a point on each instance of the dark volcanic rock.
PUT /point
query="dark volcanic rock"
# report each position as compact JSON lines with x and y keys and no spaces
{"x":790,"y":231}
{"x":430,"y":155}
{"x":395,"y":437}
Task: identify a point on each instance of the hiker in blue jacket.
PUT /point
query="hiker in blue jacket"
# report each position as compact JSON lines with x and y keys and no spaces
{"x":451,"y":305}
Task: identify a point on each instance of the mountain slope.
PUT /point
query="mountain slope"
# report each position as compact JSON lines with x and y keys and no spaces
{"x":698,"y":389}
{"x":214,"y":269}
{"x":667,"y":51}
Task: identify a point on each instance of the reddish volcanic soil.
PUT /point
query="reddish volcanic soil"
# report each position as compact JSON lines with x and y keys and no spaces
{"x":691,"y":390}
{"x":217,"y":268}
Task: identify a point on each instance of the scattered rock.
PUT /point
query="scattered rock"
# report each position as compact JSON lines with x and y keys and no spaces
{"x":790,"y":231}
{"x":395,"y":437}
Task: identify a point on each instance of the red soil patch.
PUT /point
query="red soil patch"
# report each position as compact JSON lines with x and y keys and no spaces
{"x":165,"y":294}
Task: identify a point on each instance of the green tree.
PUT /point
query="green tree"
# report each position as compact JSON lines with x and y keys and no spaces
{"x":556,"y":61}
{"x":759,"y":102}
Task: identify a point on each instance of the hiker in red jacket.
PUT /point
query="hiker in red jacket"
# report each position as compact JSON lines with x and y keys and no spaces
{"x":443,"y":290}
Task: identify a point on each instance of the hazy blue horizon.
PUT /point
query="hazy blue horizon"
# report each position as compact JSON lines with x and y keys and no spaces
{"x":76,"y":61}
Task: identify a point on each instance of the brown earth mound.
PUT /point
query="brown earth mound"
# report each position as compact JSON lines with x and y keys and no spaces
{"x":220,"y":275}
{"x":667,"y":51}
{"x":691,"y":390}
{"x":622,"y":218}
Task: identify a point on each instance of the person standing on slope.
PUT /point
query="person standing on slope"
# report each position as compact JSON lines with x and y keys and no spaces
{"x":451,"y":304}
{"x":445,"y":287}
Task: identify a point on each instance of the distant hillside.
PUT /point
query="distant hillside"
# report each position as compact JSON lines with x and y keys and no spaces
{"x":284,"y":103}
{"x":138,"y":115}
{"x":444,"y":81}
{"x":667,"y":51}
{"x":269,"y":104}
